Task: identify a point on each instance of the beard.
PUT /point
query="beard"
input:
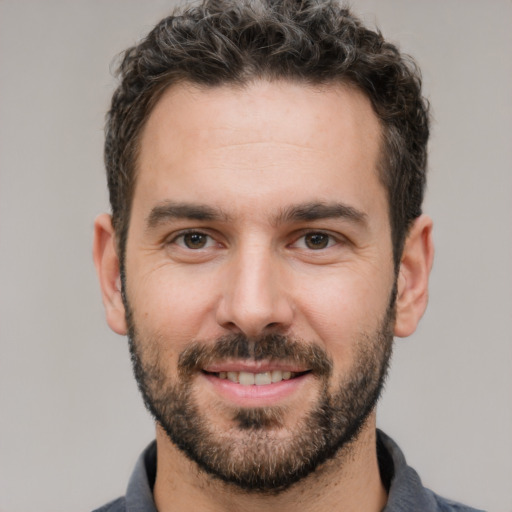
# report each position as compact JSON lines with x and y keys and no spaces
{"x":258,"y":453}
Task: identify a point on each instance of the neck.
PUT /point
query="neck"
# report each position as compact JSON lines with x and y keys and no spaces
{"x":349,"y":482}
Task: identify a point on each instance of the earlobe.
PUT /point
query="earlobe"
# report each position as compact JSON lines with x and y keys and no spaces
{"x":107,"y":267}
{"x":412,"y":285}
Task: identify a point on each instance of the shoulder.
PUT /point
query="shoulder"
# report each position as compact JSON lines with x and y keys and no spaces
{"x":405,"y":490}
{"x":446,"y":505}
{"x":118,"y":505}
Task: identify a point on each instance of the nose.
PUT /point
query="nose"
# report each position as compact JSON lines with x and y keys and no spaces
{"x":254,"y":297}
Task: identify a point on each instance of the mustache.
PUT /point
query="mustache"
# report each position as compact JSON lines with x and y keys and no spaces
{"x":271,"y":347}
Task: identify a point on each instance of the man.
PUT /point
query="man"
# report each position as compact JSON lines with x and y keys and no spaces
{"x":266,"y":166}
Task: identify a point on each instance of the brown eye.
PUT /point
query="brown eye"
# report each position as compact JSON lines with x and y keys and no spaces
{"x":195,"y":240}
{"x":316,"y":241}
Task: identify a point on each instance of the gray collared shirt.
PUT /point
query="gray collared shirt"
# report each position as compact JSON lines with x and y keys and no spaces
{"x":405,"y":490}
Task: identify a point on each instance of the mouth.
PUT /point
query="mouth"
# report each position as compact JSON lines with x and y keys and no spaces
{"x":256,"y":384}
{"x":247,"y":378}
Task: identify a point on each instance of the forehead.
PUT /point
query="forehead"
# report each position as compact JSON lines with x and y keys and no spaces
{"x":261,"y":140}
{"x":282,"y":110}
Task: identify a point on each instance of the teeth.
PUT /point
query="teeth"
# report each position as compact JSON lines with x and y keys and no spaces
{"x":246,"y":378}
{"x":232,"y":376}
{"x":262,"y":379}
{"x":277,"y":376}
{"x":258,"y":379}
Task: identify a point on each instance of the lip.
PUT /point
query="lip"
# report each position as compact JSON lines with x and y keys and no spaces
{"x":256,"y":396}
{"x":253,"y":367}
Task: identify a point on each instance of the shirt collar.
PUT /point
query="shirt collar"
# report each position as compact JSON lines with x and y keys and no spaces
{"x":139,"y":494}
{"x":405,"y":491}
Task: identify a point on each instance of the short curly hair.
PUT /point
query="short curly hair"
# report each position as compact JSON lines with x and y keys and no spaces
{"x":231,"y":42}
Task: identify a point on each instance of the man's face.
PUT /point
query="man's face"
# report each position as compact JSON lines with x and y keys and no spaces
{"x":259,"y":275}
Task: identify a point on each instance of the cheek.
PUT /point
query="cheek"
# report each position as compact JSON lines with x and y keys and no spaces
{"x":172,"y":306}
{"x":342,"y":308}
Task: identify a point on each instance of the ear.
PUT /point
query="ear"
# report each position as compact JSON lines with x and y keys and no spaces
{"x":107,"y":266}
{"x":415,"y":266}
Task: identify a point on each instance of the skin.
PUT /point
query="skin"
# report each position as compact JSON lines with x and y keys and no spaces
{"x":252,"y":154}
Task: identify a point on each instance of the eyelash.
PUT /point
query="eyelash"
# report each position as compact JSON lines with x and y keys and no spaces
{"x":331,"y":240}
{"x":181,"y":236}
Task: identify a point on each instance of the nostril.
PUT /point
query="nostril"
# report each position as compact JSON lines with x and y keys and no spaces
{"x":253,"y":312}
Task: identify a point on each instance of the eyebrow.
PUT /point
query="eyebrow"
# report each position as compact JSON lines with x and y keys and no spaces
{"x":320,"y":210}
{"x":170,"y":210}
{"x":311,"y":211}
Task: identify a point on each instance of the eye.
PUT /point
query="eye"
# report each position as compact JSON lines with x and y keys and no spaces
{"x":315,"y":241}
{"x":194,"y":240}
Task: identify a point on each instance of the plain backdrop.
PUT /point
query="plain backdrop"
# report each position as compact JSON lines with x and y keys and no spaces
{"x":71,"y":421}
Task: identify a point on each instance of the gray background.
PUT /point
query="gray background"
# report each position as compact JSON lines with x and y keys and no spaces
{"x":71,"y":421}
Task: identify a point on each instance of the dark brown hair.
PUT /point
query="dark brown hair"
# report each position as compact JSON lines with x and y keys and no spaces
{"x":235,"y":41}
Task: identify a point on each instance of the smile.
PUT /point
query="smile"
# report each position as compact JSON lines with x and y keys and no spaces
{"x":245,"y":378}
{"x":256,"y":383}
